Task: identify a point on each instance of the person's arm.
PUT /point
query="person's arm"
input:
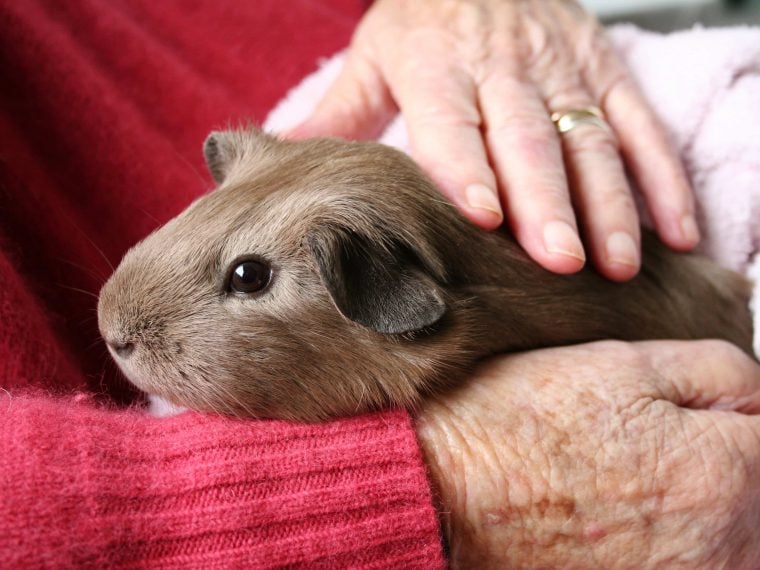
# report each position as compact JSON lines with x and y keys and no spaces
{"x":84,"y":486}
{"x":478,"y":83}
{"x":607,"y":455}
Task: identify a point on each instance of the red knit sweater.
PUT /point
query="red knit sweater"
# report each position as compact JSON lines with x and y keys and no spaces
{"x":104,"y":106}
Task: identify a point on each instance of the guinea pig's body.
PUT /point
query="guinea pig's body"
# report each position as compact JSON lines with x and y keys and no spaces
{"x":326,"y":278}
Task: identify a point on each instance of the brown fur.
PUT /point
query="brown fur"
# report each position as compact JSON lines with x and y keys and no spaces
{"x":382,"y":291}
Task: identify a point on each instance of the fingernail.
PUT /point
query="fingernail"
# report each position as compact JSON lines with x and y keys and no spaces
{"x":622,"y":249}
{"x":560,"y":237}
{"x":482,"y":197}
{"x":689,"y":229}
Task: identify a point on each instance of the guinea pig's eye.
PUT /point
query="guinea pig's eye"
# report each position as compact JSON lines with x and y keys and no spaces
{"x":250,"y":277}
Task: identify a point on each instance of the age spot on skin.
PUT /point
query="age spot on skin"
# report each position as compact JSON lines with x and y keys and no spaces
{"x":494,"y":518}
{"x":564,"y":508}
{"x":594,"y":532}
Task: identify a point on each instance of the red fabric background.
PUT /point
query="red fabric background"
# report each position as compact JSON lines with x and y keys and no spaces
{"x":104,"y":106}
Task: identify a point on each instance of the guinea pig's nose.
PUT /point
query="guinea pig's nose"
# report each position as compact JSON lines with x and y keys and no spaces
{"x":123,"y":349}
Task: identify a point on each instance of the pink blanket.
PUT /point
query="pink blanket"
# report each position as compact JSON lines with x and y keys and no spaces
{"x":705,"y":85}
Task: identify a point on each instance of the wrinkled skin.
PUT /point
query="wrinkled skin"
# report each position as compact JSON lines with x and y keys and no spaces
{"x":607,"y":455}
{"x":477,"y":81}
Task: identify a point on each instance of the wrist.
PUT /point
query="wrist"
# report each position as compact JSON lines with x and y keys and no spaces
{"x":439,"y":463}
{"x":495,"y":485}
{"x":469,"y":475}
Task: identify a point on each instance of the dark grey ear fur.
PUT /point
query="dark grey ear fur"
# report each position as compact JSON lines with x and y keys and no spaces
{"x":219,"y":151}
{"x":243,"y":146}
{"x":385,"y":289}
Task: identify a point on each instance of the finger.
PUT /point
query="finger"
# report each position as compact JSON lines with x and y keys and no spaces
{"x":358,"y":105}
{"x":600,"y":190}
{"x":646,"y":148}
{"x":527,"y":157}
{"x":655,"y":166}
{"x":441,"y":115}
{"x":706,"y":374}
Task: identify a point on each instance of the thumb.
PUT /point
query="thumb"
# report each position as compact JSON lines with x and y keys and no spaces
{"x":358,"y":105}
{"x":706,"y":374}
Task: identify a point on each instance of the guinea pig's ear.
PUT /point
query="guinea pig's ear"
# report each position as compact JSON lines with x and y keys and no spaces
{"x":385,"y":288}
{"x":220,"y":150}
{"x":223,"y":149}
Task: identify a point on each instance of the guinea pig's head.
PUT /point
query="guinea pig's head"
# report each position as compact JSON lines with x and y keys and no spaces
{"x":311,"y":283}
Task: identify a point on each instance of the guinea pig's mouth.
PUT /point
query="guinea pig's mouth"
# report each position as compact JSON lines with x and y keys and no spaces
{"x":133,"y":357}
{"x":127,"y":368}
{"x":160,"y":402}
{"x":172,"y":389}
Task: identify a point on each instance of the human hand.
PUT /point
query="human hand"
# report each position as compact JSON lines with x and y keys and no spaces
{"x":606,"y":455}
{"x":477,"y":82}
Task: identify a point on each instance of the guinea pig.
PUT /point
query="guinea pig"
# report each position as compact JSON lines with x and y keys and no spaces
{"x":325,"y":278}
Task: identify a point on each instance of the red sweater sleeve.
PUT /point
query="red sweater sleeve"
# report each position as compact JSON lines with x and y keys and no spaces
{"x":87,"y":487}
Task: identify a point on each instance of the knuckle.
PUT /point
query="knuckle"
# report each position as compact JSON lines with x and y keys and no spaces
{"x":539,"y":51}
{"x":625,"y":353}
{"x":553,"y":198}
{"x":470,"y":19}
{"x":527,"y":128}
{"x":421,"y":43}
{"x":617,"y":203}
{"x":447,"y":115}
{"x":592,"y":45}
{"x":458,"y":176}
{"x":725,"y":352}
{"x":611,"y":81}
{"x":601,"y":63}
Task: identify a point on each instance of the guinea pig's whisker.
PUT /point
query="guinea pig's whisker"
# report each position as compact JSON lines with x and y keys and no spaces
{"x":360,"y":400}
{"x":92,"y":243}
{"x":222,"y":391}
{"x":219,"y":394}
{"x":88,"y":319}
{"x":184,"y":159}
{"x":226,"y":406}
{"x":78,"y":290}
{"x":115,"y":376}
{"x":10,"y":398}
{"x":209,"y":405}
{"x":236,"y":400}
{"x":88,"y":270}
{"x":444,"y":202}
{"x":149,"y":215}
{"x":94,"y":343}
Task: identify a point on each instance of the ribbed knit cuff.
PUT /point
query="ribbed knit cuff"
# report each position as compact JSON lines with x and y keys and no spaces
{"x":88,"y":487}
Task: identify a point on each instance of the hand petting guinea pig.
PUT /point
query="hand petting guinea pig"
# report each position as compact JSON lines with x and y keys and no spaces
{"x":326,"y":278}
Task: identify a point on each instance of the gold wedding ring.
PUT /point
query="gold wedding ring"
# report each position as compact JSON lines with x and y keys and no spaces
{"x":567,"y":120}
